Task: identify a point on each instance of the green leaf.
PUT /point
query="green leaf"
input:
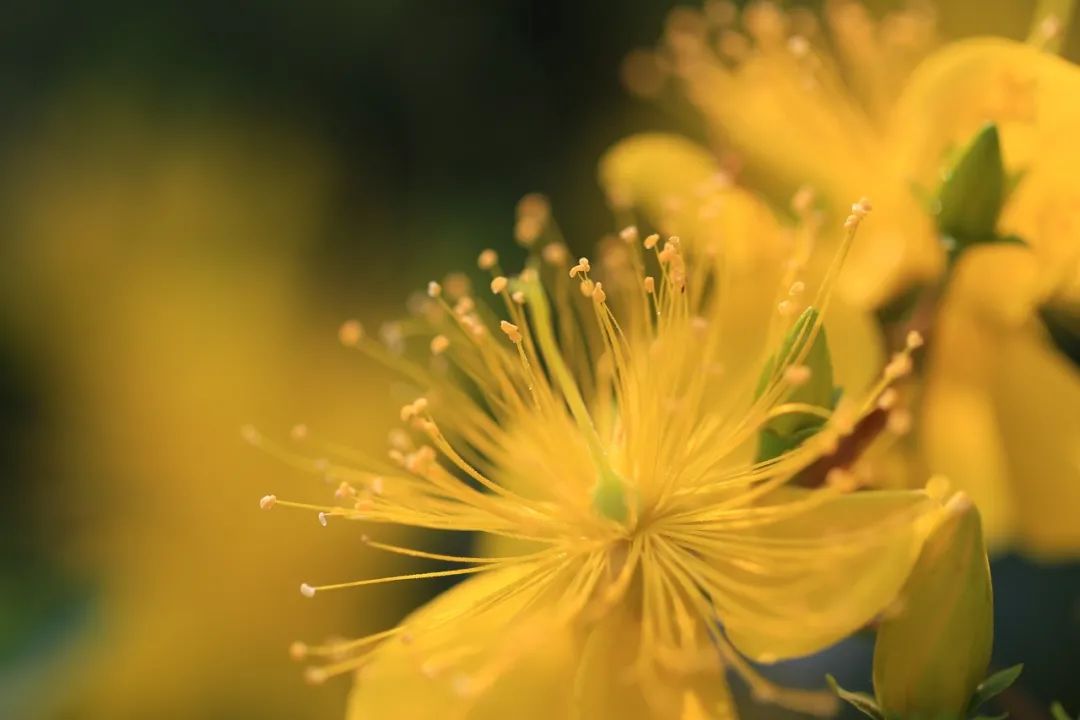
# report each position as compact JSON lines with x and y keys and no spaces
{"x":973,"y":192}
{"x":993,"y":686}
{"x":787,"y":432}
{"x":1002,"y":716}
{"x":860,"y":701}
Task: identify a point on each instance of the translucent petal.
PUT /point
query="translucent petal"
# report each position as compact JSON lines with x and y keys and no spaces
{"x":853,"y":555}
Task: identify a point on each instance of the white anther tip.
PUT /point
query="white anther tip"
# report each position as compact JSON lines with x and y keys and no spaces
{"x":306,"y":590}
{"x":267,"y":501}
{"x":322,"y":519}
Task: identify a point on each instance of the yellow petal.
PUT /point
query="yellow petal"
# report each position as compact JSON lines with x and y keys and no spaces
{"x":850,"y":555}
{"x":441,"y":672}
{"x":1030,"y":94}
{"x":994,"y":375}
{"x":658,"y":173}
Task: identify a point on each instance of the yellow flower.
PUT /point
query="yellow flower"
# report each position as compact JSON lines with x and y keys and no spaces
{"x":863,"y":106}
{"x":598,"y":431}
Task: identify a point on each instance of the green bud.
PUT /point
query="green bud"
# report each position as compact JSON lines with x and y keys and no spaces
{"x":973,"y":192}
{"x":933,"y":651}
{"x":789,"y":431}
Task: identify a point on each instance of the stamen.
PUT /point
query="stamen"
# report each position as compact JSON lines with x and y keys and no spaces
{"x":511,"y":331}
{"x":267,"y":501}
{"x":487,"y":259}
{"x":350,"y":333}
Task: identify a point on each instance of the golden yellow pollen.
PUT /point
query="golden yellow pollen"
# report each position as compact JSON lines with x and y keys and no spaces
{"x":499,"y":284}
{"x":511,"y":331}
{"x":487,"y":259}
{"x":434,"y":289}
{"x":439,"y":344}
{"x":629,"y":234}
{"x":651,"y":241}
{"x":350,"y":333}
{"x":267,"y":501}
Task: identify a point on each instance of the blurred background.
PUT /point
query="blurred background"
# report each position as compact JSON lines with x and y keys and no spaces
{"x":194,"y":195}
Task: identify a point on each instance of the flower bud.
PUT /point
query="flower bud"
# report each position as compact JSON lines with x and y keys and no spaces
{"x":973,"y":192}
{"x":932,"y":652}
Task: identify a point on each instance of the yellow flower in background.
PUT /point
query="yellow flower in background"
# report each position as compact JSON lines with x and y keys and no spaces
{"x":611,"y":434}
{"x":160,"y":281}
{"x":826,"y":108}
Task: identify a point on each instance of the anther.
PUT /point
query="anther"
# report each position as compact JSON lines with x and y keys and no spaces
{"x":887,"y":400}
{"x":803,"y":200}
{"x":511,"y":330}
{"x":785,"y":308}
{"x":555,"y":254}
{"x":841,"y":480}
{"x":958,"y":503}
{"x":306,"y":590}
{"x":629,"y":234}
{"x":499,"y":284}
{"x":487,"y":259}
{"x":350,"y":333}
{"x":298,"y":650}
{"x":797,"y":288}
{"x":898,"y":367}
{"x":267,"y":501}
{"x":598,"y":293}
{"x":798,"y":45}
{"x":937,"y":487}
{"x":914,"y":340}
{"x":527,"y":230}
{"x":899,"y":422}
{"x":315,"y":676}
{"x":434,"y":289}
{"x":439,"y":344}
{"x":797,"y":374}
{"x":299,"y":432}
{"x":651,"y":241}
{"x":250,"y":434}
{"x":322,"y":519}
{"x":518,"y":297}
{"x":650,"y":284}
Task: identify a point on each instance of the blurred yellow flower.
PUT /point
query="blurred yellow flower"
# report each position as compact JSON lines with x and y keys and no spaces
{"x":160,"y":282}
{"x":598,"y":430}
{"x":852,"y":106}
